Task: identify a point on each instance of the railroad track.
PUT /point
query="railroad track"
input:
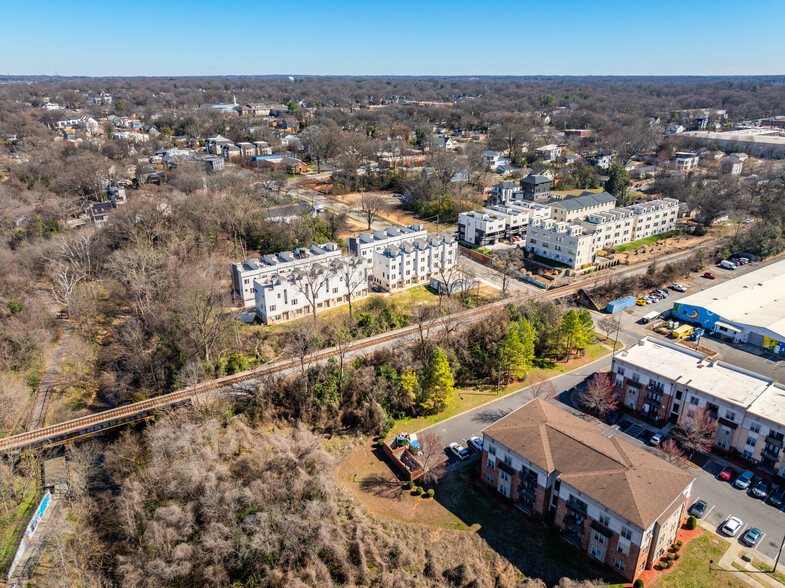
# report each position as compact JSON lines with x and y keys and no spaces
{"x":115,"y":417}
{"x":87,"y":425}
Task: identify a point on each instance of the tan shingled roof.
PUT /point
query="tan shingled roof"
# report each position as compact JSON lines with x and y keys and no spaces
{"x":627,"y":479}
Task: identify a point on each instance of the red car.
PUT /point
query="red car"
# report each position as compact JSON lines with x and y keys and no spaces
{"x":726,"y":474}
{"x":709,"y":275}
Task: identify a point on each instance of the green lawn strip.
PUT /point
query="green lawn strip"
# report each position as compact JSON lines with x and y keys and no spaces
{"x":643,"y":242}
{"x":465,"y":399}
{"x":779,"y":576}
{"x":13,"y":522}
{"x":692,"y":569}
{"x":534,"y":548}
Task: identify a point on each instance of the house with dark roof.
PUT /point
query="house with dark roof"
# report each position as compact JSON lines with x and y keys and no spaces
{"x":574,"y":207}
{"x":619,"y":503}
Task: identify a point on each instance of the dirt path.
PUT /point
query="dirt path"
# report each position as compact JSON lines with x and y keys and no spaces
{"x":46,"y":386}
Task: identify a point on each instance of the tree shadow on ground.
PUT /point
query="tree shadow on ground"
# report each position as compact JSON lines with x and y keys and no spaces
{"x":381,"y":485}
{"x":490,"y":415}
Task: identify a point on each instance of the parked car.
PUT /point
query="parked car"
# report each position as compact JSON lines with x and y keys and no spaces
{"x":726,"y":474}
{"x":476,"y":442}
{"x":459,"y":450}
{"x":761,"y":490}
{"x":744,"y":480}
{"x":751,"y":537}
{"x":698,"y":509}
{"x":656,"y":439}
{"x":709,"y":275}
{"x":663,"y":292}
{"x":731,"y":526}
{"x":641,"y":302}
{"x":777,"y":497}
{"x":679,"y":287}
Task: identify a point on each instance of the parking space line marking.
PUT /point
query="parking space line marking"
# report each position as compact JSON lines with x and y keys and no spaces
{"x":708,"y":512}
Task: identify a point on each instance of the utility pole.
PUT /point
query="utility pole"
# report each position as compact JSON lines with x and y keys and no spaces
{"x":616,"y":340}
{"x":776,"y":561}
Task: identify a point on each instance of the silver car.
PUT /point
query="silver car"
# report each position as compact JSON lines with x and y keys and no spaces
{"x":731,"y":526}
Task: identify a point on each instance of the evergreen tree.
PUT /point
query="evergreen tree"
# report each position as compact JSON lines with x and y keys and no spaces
{"x":618,"y":180}
{"x":587,"y":325}
{"x":439,"y":385}
{"x":518,"y":348}
{"x":410,"y":385}
{"x":572,"y":331}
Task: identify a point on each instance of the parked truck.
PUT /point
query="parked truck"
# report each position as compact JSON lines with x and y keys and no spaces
{"x":615,"y":306}
{"x":646,"y":319}
{"x":682,"y":331}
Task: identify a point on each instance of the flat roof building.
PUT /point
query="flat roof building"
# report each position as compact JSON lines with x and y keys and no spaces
{"x":749,"y":309}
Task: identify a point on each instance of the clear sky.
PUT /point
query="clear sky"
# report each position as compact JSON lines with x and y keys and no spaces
{"x":400,"y":37}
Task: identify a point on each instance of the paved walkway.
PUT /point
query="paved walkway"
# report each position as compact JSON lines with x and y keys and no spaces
{"x":46,"y":386}
{"x":755,"y":577}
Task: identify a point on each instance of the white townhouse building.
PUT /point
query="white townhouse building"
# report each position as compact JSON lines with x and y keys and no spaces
{"x":326,"y":283}
{"x":686,"y":161}
{"x":565,"y":242}
{"x":364,"y":244}
{"x":413,"y":262}
{"x":244,"y":274}
{"x":497,"y":222}
{"x":654,"y":217}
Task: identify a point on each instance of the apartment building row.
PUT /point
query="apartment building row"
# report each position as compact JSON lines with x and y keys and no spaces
{"x":619,"y":503}
{"x":278,"y":264}
{"x":575,"y":243}
{"x":324,"y":284}
{"x":285,"y":285}
{"x":498,"y":222}
{"x":662,"y":381}
{"x":220,"y":145}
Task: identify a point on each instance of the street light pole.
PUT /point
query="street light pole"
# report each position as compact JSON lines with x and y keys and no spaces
{"x":776,"y":561}
{"x":616,"y":340}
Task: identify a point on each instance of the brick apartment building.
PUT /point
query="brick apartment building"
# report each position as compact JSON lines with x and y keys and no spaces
{"x":620,"y":504}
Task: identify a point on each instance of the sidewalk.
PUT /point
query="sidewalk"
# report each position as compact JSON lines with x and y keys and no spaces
{"x":751,"y":575}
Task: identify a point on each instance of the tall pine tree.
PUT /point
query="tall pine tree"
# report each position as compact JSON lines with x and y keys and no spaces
{"x":439,"y":385}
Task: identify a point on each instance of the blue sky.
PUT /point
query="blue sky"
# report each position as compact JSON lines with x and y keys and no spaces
{"x":429,"y":37}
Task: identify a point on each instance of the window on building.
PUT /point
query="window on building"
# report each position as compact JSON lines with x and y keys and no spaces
{"x":754,"y":427}
{"x":751,"y":441}
{"x":725,"y":430}
{"x":272,"y":307}
{"x":508,"y":460}
{"x":636,"y":378}
{"x":491,"y":464}
{"x":730,"y":415}
{"x":505,"y":477}
{"x":694,"y":400}
{"x":626,"y":533}
{"x":491,"y":449}
{"x":747,"y":454}
{"x":599,"y":538}
{"x":624,"y":548}
{"x":605,"y":519}
{"x":596,"y":552}
{"x":722,"y":443}
{"x":619,"y":565}
{"x":489,"y":478}
{"x":620,"y":371}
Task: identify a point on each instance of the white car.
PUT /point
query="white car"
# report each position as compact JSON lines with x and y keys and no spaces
{"x":731,"y":526}
{"x":475,"y":442}
{"x":459,"y":450}
{"x":656,"y":439}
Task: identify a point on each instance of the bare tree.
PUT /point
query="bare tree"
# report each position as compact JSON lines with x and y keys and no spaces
{"x":698,"y":430}
{"x":372,"y":206}
{"x":202,"y":317}
{"x":671,"y":452}
{"x":14,"y":401}
{"x":323,"y":140}
{"x":310,"y":281}
{"x":353,"y":274}
{"x":424,"y":316}
{"x":432,"y":459}
{"x":608,"y":325}
{"x":540,"y":386}
{"x":599,"y":397}
{"x":65,"y":277}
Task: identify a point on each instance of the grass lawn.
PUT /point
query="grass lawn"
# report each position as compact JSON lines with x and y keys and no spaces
{"x":468,"y":398}
{"x":13,"y":522}
{"x":779,"y":576}
{"x":534,"y":548}
{"x":693,"y":570}
{"x":643,"y":242}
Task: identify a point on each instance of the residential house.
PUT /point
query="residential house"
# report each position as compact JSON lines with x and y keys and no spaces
{"x":549,"y":153}
{"x":503,"y":192}
{"x":617,"y":502}
{"x":498,"y":222}
{"x":577,"y":133}
{"x":443,"y":142}
{"x":325,"y":284}
{"x":365,"y":244}
{"x":98,"y":212}
{"x":244,"y":274}
{"x":117,"y":195}
{"x":574,"y":207}
{"x":493,"y":159}
{"x":686,"y":161}
{"x":602,"y":161}
{"x":536,"y":187}
{"x":654,"y":217}
{"x":213,"y":145}
{"x":247,"y":149}
{"x":230,"y":151}
{"x":262,"y":148}
{"x":413,"y":262}
{"x":733,"y":164}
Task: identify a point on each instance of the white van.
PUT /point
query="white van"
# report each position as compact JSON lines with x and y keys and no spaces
{"x":727,"y":264}
{"x":650,"y":317}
